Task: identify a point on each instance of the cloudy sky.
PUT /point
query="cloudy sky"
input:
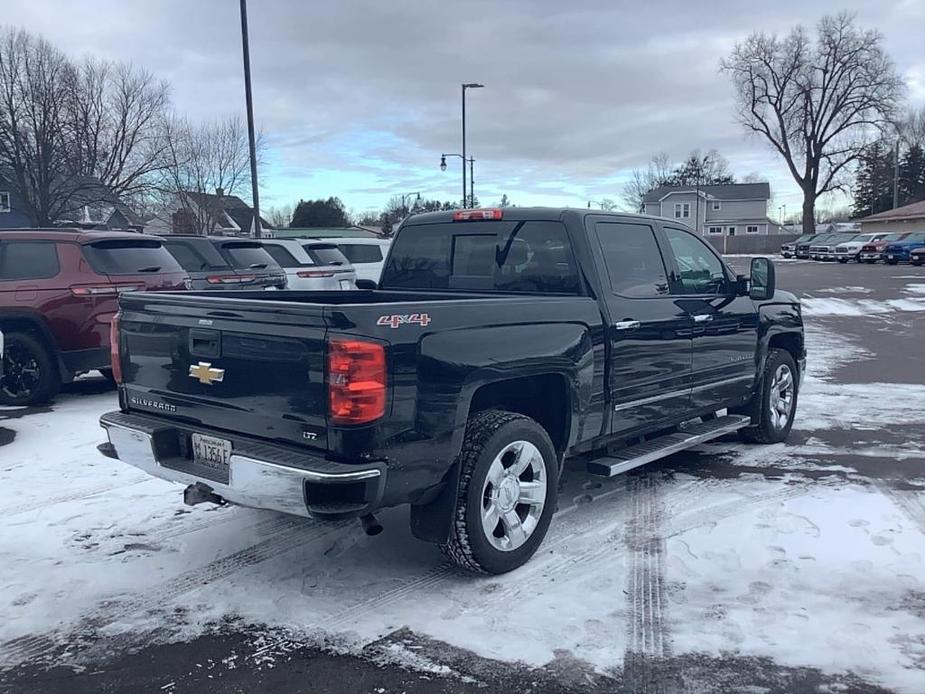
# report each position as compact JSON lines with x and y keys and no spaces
{"x":358,"y":99}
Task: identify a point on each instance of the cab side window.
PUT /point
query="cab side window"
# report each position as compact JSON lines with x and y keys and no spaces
{"x":699,"y":270}
{"x":634,"y":262}
{"x":28,"y":260}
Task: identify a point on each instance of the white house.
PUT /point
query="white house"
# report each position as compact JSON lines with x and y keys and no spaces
{"x":716,"y":210}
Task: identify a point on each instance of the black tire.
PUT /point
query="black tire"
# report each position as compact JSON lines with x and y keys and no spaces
{"x":843,"y":260}
{"x":870,"y":262}
{"x":487,"y":435}
{"x":917,"y":263}
{"x":767,"y":430}
{"x":30,"y":371}
{"x":892,"y":262}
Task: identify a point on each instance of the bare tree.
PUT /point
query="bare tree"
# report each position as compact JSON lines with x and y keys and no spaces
{"x":817,"y":105}
{"x":115,"y":113}
{"x":643,"y":180}
{"x":912,"y":127}
{"x":279,"y":217}
{"x":200,"y":160}
{"x":34,"y":150}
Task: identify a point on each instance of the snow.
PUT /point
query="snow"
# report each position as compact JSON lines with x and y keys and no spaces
{"x":915,"y":288}
{"x":805,"y":572}
{"x":814,"y":306}
{"x":846,"y":290}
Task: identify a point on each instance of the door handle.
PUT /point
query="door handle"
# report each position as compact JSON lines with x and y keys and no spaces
{"x":703,"y":318}
{"x":627,"y":325}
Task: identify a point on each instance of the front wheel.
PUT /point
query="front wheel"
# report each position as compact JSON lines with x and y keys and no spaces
{"x":892,"y":262}
{"x":843,"y":260}
{"x":776,"y":400}
{"x":507,"y":493}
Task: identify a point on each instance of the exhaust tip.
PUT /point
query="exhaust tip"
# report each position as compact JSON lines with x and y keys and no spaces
{"x":371,"y":525}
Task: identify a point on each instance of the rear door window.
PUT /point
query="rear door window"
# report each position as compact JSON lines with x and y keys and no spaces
{"x":247,"y":255}
{"x":130,"y":257}
{"x":326,"y":254}
{"x":528,"y":257}
{"x":32,"y":260}
{"x":634,"y":262}
{"x":361,"y":252}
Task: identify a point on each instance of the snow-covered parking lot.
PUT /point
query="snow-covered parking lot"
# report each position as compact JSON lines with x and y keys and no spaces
{"x":793,"y":567}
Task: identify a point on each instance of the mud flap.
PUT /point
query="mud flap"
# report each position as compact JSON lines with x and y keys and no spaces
{"x":432,"y":522}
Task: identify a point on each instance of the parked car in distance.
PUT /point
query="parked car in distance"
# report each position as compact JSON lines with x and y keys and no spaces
{"x":366,"y":255}
{"x":823,"y":248}
{"x":872,"y":251}
{"x":253,"y":267}
{"x":58,"y":293}
{"x":851,"y":250}
{"x":900,"y":251}
{"x":789,"y":250}
{"x":207,"y":268}
{"x":305,"y":270}
{"x":499,"y":344}
{"x":917,"y":256}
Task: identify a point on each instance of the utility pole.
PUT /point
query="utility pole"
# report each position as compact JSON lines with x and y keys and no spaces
{"x":471,"y":182}
{"x":250,"y":120}
{"x":896,"y":175}
{"x":468,"y":85}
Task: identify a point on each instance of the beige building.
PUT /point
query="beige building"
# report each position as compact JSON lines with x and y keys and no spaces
{"x":902,"y":219}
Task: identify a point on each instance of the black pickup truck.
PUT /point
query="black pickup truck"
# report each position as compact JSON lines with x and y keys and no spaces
{"x":499,"y":345}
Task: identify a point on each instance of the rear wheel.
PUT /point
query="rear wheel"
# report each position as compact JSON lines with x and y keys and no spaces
{"x":776,"y":401}
{"x":892,"y":262}
{"x":507,"y":493}
{"x":843,"y":260}
{"x":917,"y":263}
{"x":30,"y":374}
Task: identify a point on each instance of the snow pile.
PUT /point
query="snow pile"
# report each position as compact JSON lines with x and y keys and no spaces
{"x":858,"y":307}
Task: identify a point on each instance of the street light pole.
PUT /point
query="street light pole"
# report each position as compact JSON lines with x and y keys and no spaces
{"x":471,"y":161}
{"x":471,"y":182}
{"x":465,"y":86}
{"x":250,"y":120}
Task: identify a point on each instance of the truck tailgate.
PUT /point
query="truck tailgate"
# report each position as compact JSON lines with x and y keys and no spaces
{"x":255,"y":370}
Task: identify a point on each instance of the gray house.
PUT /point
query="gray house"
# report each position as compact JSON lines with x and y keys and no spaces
{"x":716,"y":210}
{"x":95,"y":206}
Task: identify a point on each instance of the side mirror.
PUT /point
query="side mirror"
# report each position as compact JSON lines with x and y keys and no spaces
{"x":366,"y":284}
{"x":763,"y":279}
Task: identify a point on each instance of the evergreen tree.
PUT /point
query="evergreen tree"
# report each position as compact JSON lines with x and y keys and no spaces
{"x":912,"y":175}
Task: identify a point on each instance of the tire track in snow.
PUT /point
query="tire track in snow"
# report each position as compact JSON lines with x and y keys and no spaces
{"x":648,"y":641}
{"x":73,"y":496}
{"x":911,"y":503}
{"x":295,"y":532}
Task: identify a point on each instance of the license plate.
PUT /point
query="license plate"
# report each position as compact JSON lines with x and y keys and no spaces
{"x":211,"y":452}
{"x":346,"y":284}
{"x":889,"y":257}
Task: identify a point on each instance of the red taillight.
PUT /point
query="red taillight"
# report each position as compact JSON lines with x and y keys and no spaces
{"x":104,"y":289}
{"x":305,"y":274}
{"x":114,"y":359}
{"x":492,"y":214}
{"x":356,"y":381}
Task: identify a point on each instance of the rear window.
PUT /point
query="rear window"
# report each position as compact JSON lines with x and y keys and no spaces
{"x":529,"y":257}
{"x":33,"y":260}
{"x":195,"y":256}
{"x":361,"y":252}
{"x":130,"y":257}
{"x":326,"y":254}
{"x":247,"y":255}
{"x":282,"y":256}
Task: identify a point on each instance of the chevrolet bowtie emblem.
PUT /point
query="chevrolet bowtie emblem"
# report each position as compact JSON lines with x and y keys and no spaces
{"x":204,"y":373}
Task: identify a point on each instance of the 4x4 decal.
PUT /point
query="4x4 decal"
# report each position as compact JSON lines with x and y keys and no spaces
{"x":422,"y":319}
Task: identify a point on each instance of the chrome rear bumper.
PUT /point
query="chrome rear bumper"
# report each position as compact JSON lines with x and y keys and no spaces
{"x":251,"y":480}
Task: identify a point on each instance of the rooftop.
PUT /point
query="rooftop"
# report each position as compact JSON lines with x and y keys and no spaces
{"x":914,"y":211}
{"x":729,"y":191}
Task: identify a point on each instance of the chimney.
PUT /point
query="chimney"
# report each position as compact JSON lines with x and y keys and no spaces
{"x":220,"y":192}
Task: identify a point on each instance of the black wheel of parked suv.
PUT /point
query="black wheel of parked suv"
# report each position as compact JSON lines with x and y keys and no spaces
{"x":777,"y":399}
{"x":30,"y":374}
{"x":507,"y":493}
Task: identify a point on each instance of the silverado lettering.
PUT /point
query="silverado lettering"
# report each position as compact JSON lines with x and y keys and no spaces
{"x":565,"y":337}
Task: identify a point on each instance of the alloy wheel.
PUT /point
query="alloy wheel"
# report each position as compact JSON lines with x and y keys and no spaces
{"x":781,"y":397}
{"x":513,"y":495}
{"x":21,"y":375}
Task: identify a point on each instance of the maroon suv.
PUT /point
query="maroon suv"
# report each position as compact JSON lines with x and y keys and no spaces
{"x":58,"y":293}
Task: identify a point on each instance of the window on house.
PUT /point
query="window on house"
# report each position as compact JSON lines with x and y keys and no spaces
{"x":717,"y":205}
{"x":732,"y":231}
{"x":682,"y":210}
{"x":716,"y":230}
{"x":4,"y":201}
{"x":751,"y":229}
